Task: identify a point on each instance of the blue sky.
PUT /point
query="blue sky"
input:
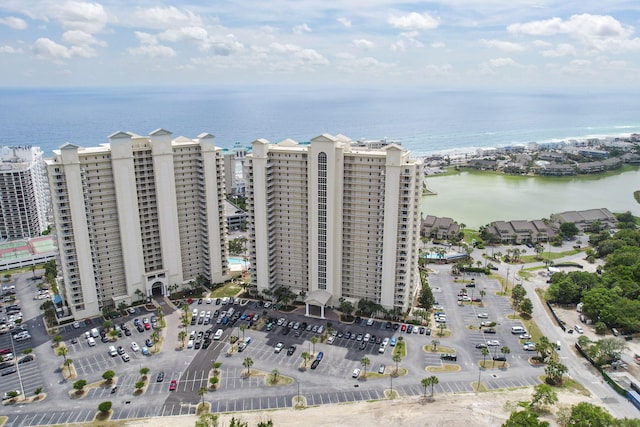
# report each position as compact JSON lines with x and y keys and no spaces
{"x":446,"y":43}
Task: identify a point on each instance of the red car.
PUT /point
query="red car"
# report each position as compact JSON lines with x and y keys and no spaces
{"x":5,"y":351}
{"x":147,"y":326}
{"x":403,"y":327}
{"x":173,"y":385}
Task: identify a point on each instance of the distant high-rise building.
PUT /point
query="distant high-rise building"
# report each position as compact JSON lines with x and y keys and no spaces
{"x":331,"y":220}
{"x":233,"y":169}
{"x":24,"y":193}
{"x":138,"y":216}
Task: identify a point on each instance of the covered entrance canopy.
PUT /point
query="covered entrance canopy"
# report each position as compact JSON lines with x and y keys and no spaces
{"x":318,"y":297}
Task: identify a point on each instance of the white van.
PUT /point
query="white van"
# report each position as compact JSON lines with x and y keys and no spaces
{"x":91,"y":341}
{"x":578,"y":329}
{"x":95,"y":333}
{"x":557,"y":345}
{"x":517,"y":330}
{"x":112,"y":351}
{"x":225,"y":300}
{"x":218,"y":334}
{"x":195,"y":312}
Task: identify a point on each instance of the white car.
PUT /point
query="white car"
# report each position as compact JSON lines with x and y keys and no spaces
{"x":525,"y":337}
{"x":125,"y":357}
{"x":483,"y":315}
{"x":135,"y":346}
{"x":278,"y":348}
{"x":493,"y":343}
{"x":356,"y":373}
{"x":76,"y":325}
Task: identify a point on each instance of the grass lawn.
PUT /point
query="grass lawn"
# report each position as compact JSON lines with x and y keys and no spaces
{"x":439,"y":349}
{"x":401,"y":349}
{"x":228,"y":290}
{"x":446,"y":367}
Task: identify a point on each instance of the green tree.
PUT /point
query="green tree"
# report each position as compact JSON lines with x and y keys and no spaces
{"x":526,"y":307}
{"x":435,"y":344}
{"x":155,"y":337}
{"x":139,"y":385}
{"x":555,"y":372}
{"x":27,"y":351}
{"x":265,"y":423}
{"x":79,"y":385}
{"x":144,"y":371}
{"x":37,"y":391}
{"x":588,"y":415}
{"x":243,"y":327}
{"x":216,"y":366}
{"x":237,"y":422}
{"x":517,"y":294}
{"x":569,"y":229}
{"x":56,"y":340}
{"x":543,"y":395}
{"x":108,"y":324}
{"x":525,"y":418}
{"x":426,"y":382}
{"x":12,"y":394}
{"x":207,"y":420}
{"x":433,"y":381}
{"x":365,"y":361}
{"x":346,"y":307}
{"x":214,"y":381}
{"x":314,"y":341}
{"x":108,"y":376}
{"x":68,"y":363}
{"x":426,"y":299}
{"x":248,"y":363}
{"x":104,"y":407}
{"x":63,"y":351}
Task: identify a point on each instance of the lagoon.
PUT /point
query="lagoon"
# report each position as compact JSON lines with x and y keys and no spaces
{"x":478,"y":198}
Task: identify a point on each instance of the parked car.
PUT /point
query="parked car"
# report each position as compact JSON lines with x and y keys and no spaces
{"x":291,"y":350}
{"x":381,"y":368}
{"x":135,"y":346}
{"x":173,"y":385}
{"x":355,"y":373}
{"x":278,"y":348}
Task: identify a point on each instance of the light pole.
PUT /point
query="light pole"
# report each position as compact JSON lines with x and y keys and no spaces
{"x":13,"y":349}
{"x":391,"y":380}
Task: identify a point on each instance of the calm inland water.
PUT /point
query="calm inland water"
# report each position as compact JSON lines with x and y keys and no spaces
{"x":476,"y":198}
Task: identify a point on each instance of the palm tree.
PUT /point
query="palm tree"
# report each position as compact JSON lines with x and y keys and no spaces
{"x":482,"y":294}
{"x":365,"y":362}
{"x":433,"y":380}
{"x":243,"y":327}
{"x":435,"y":344}
{"x":306,"y":356}
{"x":63,"y":351}
{"x":426,"y":382}
{"x":155,"y":337}
{"x":505,"y":350}
{"x":442,"y":327}
{"x":314,"y":340}
{"x":274,"y":376}
{"x":248,"y":363}
{"x":397,"y":358}
{"x":182,"y":335}
{"x":485,"y":353}
{"x":57,"y":340}
{"x":108,"y":324}
{"x":202,"y":391}
{"x":68,"y":363}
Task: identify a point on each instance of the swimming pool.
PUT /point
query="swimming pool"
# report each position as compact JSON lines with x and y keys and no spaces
{"x":235,"y":260}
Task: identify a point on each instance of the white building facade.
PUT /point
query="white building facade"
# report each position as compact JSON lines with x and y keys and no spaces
{"x":335,"y":221}
{"x":138,"y":216}
{"x":24,"y":193}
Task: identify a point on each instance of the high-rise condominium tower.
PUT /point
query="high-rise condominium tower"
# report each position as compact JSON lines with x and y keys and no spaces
{"x":140,"y":215}
{"x":334,"y":220}
{"x":24,"y":193}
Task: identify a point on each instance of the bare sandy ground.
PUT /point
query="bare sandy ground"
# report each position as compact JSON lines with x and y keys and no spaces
{"x":468,"y":410}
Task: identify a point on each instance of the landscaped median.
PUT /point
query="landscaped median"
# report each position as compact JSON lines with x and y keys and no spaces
{"x":446,"y":353}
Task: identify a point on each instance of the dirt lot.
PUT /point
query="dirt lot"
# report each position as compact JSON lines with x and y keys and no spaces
{"x":469,"y":410}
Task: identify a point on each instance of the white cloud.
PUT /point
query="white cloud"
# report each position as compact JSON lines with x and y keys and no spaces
{"x":195,"y":34}
{"x":598,"y":32}
{"x":88,"y":17}
{"x":344,"y":21}
{"x":414,"y":21}
{"x":9,"y":49}
{"x":77,"y":37}
{"x":223,"y":46}
{"x":541,"y":43}
{"x":302,"y":28}
{"x":398,"y":46}
{"x":285,"y":48}
{"x":146,"y":38}
{"x":363,"y":44}
{"x":166,"y":18}
{"x":503,"y":45}
{"x":502,"y":62}
{"x":367,"y":64}
{"x":311,"y":56}
{"x":14,"y":22}
{"x":438,"y":70}
{"x":153,"y":51}
{"x":563,"y":49}
{"x":437,"y":45}
{"x":45,"y":48}
{"x":581,"y":62}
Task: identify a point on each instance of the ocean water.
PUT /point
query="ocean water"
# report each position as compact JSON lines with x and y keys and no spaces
{"x":423,"y":120}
